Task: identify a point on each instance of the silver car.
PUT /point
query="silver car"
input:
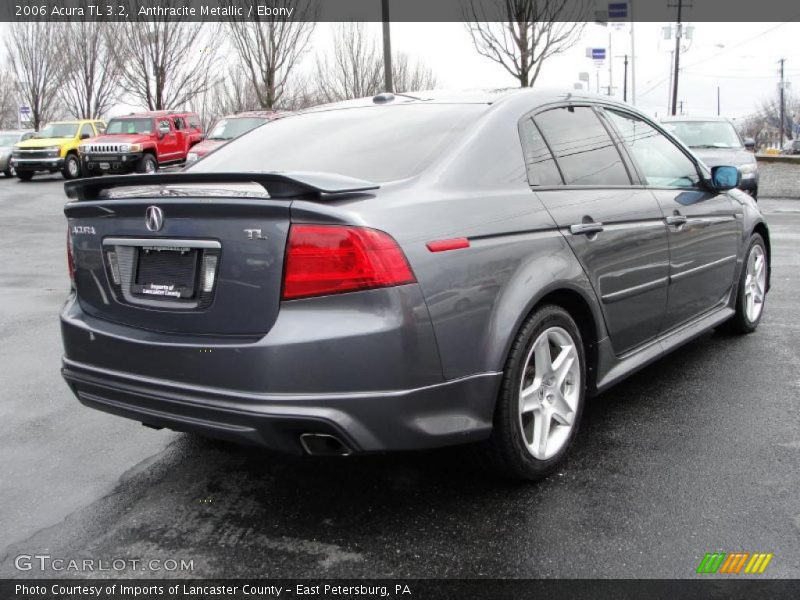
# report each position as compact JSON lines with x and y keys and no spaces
{"x":7,"y":140}
{"x":399,"y":273}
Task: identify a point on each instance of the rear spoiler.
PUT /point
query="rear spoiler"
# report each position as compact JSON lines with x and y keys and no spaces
{"x":277,"y":184}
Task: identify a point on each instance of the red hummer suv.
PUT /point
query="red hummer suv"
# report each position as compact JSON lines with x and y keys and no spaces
{"x":142,"y":142}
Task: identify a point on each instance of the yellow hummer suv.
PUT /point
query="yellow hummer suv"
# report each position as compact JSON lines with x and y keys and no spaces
{"x":54,"y":148}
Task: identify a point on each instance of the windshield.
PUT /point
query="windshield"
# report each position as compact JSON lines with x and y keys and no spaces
{"x":376,"y":143}
{"x":57,"y":130}
{"x":117,"y":126}
{"x":9,"y":139}
{"x":227,"y":129}
{"x":705,"y":134}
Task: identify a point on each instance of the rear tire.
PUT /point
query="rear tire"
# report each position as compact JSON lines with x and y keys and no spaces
{"x":10,"y":172}
{"x":751,"y":289}
{"x":25,"y":175}
{"x":541,"y":397}
{"x":72,"y":167}
{"x":147,"y":164}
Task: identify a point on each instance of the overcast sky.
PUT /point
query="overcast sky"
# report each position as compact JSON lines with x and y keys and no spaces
{"x":740,"y":58}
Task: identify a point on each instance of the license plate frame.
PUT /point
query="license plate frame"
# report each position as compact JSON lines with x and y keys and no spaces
{"x":159,"y":286}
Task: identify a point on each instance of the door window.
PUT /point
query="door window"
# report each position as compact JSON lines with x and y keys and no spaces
{"x":179,"y":123}
{"x":541,"y":166}
{"x":86,"y":130}
{"x":583,"y":148}
{"x":662,"y":163}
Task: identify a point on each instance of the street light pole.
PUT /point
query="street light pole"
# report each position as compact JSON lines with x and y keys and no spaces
{"x":387,"y":48}
{"x":783,"y":107}
{"x":677,"y":59}
{"x":625,"y":83}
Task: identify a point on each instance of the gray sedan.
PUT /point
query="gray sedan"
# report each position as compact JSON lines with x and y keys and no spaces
{"x":406,"y":272}
{"x":7,"y":141}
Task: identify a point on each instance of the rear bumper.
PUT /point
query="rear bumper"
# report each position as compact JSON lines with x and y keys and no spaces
{"x":364,"y":368}
{"x":445,"y":414}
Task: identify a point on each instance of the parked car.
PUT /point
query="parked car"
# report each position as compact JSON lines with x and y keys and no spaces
{"x":7,"y":141}
{"x":231,"y":127}
{"x":716,"y":142}
{"x":142,"y":142}
{"x":791,"y":147}
{"x":54,"y":148}
{"x":289,"y":289}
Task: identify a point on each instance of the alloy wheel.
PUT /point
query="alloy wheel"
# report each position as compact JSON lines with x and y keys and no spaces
{"x":549,"y":392}
{"x":755,"y":283}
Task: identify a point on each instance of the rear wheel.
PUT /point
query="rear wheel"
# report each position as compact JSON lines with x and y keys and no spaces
{"x":752,"y":289}
{"x":147,"y":164}
{"x":72,"y":167}
{"x":541,"y":397}
{"x":10,"y":171}
{"x":25,"y":175}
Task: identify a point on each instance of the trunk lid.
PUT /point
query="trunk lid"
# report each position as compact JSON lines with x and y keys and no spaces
{"x":187,"y":253}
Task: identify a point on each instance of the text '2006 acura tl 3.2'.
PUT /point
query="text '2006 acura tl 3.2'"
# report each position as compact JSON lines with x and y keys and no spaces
{"x":406,"y":272}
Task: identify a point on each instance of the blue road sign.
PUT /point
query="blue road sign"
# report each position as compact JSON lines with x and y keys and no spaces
{"x":598,"y":53}
{"x":617,"y":10}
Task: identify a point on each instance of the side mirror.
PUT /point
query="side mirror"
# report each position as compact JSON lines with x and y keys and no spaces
{"x":750,"y":144}
{"x":85,"y":136}
{"x":725,"y":178}
{"x":163,"y":130}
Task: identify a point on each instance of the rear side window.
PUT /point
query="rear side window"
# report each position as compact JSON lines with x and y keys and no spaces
{"x":375,"y":143}
{"x":661,"y":162}
{"x":582,"y":146}
{"x":542,"y":169}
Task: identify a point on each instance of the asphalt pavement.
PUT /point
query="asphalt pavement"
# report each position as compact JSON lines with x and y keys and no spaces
{"x":697,"y":453}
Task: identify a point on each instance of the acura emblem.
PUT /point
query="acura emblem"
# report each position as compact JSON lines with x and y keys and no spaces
{"x":154,"y":218}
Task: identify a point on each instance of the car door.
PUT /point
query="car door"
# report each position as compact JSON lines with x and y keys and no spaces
{"x":614,"y":227}
{"x":702,"y":227}
{"x":167,"y":145}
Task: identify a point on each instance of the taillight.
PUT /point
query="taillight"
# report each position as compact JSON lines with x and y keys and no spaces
{"x":330,"y":259}
{"x":70,"y":259}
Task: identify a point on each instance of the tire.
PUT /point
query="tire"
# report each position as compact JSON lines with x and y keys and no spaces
{"x":72,"y":167}
{"x":25,"y":175}
{"x":10,"y":172}
{"x":514,"y":449}
{"x":751,"y":290}
{"x":147,"y":164}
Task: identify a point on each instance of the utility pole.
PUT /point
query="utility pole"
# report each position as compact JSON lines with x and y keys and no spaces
{"x":718,"y":112}
{"x":610,"y":65}
{"x":681,"y":105}
{"x":783,"y":107}
{"x":633,"y":57}
{"x":387,"y":48}
{"x":669,"y":89}
{"x":625,"y":84}
{"x":677,"y":58}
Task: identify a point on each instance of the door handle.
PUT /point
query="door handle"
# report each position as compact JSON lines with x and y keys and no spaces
{"x":677,"y":219}
{"x":585,"y":228}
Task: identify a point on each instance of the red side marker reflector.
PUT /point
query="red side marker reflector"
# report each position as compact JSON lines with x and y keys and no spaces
{"x":444,"y":245}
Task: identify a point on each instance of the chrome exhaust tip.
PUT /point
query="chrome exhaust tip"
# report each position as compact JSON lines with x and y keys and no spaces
{"x":323,"y":444}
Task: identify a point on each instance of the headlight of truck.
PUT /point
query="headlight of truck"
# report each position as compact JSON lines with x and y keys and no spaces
{"x":748,"y":168}
{"x":130,"y":147}
{"x":191,"y":156}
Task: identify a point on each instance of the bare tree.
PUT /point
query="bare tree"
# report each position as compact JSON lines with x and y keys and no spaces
{"x":520,"y":35}
{"x":37,"y":66}
{"x":355,"y":67}
{"x":410,"y":76}
{"x":270,"y":48}
{"x":164,"y":63}
{"x":8,"y":101}
{"x":92,"y":77}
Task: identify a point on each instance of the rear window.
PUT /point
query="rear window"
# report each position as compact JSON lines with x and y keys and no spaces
{"x":380,"y":143}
